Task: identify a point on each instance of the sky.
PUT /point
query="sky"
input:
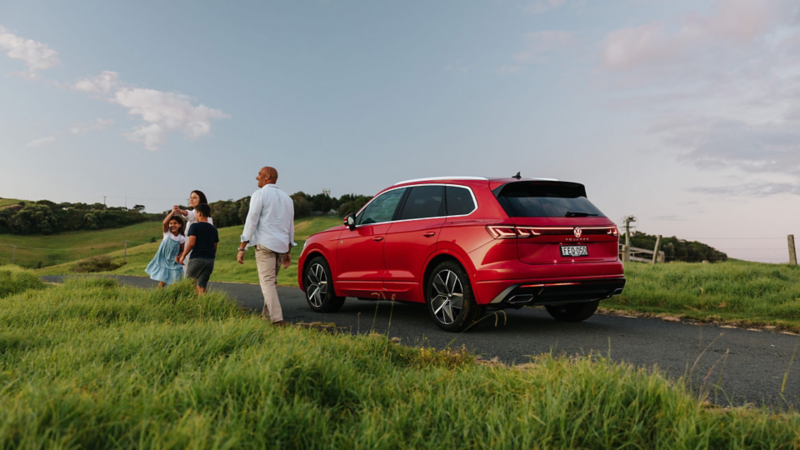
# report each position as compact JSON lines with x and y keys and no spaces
{"x":685,"y":114}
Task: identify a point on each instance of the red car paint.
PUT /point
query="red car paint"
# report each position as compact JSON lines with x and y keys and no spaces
{"x":498,"y":251}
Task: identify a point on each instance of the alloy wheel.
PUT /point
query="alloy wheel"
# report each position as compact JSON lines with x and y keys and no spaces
{"x":449,"y":299}
{"x":317,"y":289}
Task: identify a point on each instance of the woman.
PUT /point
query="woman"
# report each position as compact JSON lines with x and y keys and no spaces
{"x":195,"y":198}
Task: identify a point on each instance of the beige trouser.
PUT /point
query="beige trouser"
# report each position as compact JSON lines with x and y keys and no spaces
{"x":268,"y":264}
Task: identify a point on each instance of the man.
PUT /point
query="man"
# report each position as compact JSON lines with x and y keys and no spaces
{"x":270,"y":229}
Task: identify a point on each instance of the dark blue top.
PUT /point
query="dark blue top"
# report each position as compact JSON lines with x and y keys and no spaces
{"x":205,"y":237}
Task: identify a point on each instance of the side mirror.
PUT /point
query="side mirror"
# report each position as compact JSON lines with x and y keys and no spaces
{"x":350,"y":221}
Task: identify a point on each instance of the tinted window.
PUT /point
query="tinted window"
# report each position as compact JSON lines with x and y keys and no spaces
{"x":424,"y":201}
{"x":531,"y":199}
{"x":381,"y":209}
{"x":459,"y":201}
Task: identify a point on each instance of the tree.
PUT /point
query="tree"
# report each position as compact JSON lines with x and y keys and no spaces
{"x":138,"y":208}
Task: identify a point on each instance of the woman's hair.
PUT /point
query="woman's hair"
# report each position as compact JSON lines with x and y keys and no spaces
{"x":180,"y":220}
{"x":202,"y":196}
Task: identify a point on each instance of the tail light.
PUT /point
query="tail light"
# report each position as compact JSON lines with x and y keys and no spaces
{"x":510,"y":232}
{"x":614,"y":231}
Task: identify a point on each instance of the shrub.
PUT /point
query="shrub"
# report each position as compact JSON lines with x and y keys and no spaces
{"x":100,"y":263}
{"x":14,"y":280}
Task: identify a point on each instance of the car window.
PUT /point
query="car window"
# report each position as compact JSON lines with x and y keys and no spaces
{"x":459,"y":201}
{"x":381,"y":209}
{"x":424,"y":201}
{"x":536,"y":199}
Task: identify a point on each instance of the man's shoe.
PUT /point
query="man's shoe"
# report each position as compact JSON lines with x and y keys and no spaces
{"x":279,"y":323}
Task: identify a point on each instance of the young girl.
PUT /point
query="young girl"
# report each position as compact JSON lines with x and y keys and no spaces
{"x":165,"y":267}
{"x":195,"y":198}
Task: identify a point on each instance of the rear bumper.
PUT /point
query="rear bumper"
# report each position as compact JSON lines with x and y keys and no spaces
{"x":514,"y":293}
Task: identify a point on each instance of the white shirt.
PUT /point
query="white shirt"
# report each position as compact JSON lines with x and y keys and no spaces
{"x":270,"y":220}
{"x":180,"y":239}
{"x":190,"y":219}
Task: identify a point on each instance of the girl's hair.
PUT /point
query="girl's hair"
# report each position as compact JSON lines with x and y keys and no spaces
{"x":202,"y":196}
{"x":180,"y":220}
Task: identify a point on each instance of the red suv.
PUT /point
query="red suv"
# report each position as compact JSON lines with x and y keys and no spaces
{"x":465,"y":245}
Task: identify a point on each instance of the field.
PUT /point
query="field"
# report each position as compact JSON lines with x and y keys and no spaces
{"x":91,"y":364}
{"x":5,"y":202}
{"x":225,"y":267}
{"x":744,"y":293}
{"x":42,"y":251}
{"x":739,"y":292}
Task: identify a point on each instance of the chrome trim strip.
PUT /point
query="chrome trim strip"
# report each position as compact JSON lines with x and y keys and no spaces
{"x":474,"y":201}
{"x":416,"y":180}
{"x":503,"y":294}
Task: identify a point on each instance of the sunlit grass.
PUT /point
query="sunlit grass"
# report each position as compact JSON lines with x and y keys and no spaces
{"x":91,"y":364}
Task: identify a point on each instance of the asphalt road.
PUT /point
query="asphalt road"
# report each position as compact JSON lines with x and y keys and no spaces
{"x":742,"y":366}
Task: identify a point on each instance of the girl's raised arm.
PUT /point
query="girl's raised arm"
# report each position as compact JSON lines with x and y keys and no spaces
{"x":165,"y":225}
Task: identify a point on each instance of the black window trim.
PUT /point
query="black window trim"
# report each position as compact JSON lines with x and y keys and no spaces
{"x":403,"y":199}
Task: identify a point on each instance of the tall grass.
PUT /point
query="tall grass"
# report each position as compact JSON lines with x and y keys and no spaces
{"x":92,"y":364}
{"x":732,"y":291}
{"x":14,"y":280}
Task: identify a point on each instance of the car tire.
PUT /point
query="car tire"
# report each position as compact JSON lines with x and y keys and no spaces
{"x":572,"y":312}
{"x":449,"y":297}
{"x":317,"y":283}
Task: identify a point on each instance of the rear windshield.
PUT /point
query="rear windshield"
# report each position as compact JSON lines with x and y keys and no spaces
{"x":537,"y":199}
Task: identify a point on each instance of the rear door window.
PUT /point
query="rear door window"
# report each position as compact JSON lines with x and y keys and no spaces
{"x":424,"y":202}
{"x":537,"y":199}
{"x":381,"y":209}
{"x":459,"y":201}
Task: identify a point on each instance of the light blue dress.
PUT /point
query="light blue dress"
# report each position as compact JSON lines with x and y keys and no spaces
{"x":163,"y":266}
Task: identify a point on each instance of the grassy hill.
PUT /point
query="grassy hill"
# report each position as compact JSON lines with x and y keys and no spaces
{"x":33,"y":250}
{"x":92,"y":364}
{"x":225,"y":268}
{"x":6,"y":202}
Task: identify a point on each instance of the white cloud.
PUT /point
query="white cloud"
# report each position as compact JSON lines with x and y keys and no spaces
{"x":736,"y":22}
{"x":724,"y":88}
{"x":164,"y":112}
{"x":541,"y":42}
{"x":37,"y":56}
{"x":41,"y":141}
{"x":541,"y":6}
{"x":97,"y":125}
{"x":105,"y":83}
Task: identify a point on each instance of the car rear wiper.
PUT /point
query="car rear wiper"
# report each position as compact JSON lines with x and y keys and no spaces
{"x":579,"y":214}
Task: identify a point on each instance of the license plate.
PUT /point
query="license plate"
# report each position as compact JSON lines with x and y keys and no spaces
{"x":574,"y":250}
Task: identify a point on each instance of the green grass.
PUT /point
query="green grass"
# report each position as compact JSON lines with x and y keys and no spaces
{"x":5,"y":202}
{"x":14,"y":280}
{"x":734,"y":291}
{"x":74,"y":245}
{"x":746,"y":293}
{"x":90,"y":364}
{"x":225,"y":267}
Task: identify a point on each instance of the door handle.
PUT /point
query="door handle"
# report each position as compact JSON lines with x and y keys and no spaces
{"x":429,"y":234}
{"x":377,"y":238}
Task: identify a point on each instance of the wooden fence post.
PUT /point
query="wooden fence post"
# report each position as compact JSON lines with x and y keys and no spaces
{"x":13,"y":254}
{"x":655,"y":250}
{"x":792,"y":252}
{"x":125,"y":253}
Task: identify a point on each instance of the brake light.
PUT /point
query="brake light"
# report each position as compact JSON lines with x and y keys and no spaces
{"x":614,"y":231}
{"x":510,"y":232}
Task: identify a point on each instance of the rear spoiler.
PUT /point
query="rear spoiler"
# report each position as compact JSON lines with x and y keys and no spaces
{"x":574,"y":189}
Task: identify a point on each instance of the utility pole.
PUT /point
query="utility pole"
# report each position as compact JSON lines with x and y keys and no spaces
{"x":628,"y":220}
{"x":104,"y":203}
{"x":792,"y":252}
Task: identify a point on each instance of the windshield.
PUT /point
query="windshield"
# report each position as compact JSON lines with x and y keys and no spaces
{"x":546,"y":199}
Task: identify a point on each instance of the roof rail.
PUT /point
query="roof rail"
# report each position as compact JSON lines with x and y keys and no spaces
{"x":442,"y":178}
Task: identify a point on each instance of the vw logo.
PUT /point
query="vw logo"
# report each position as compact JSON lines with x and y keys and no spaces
{"x":577,"y":232}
